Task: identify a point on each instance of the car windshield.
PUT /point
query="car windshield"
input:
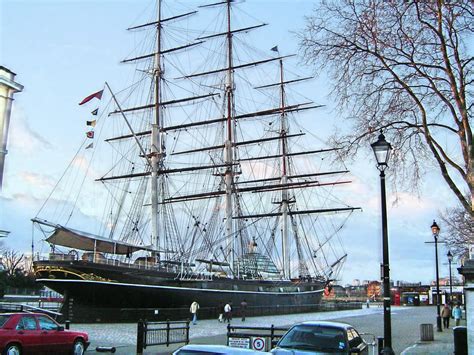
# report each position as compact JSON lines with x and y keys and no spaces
{"x":314,"y":338}
{"x":3,"y":319}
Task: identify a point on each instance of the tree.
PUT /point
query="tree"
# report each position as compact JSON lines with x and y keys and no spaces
{"x":12,"y":261}
{"x":402,"y":67}
{"x":458,"y":231}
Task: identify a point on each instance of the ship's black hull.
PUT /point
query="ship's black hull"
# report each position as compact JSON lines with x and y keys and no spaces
{"x":123,"y":290}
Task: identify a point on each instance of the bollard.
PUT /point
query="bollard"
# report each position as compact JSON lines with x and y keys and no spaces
{"x":380,"y":345}
{"x":67,"y":324}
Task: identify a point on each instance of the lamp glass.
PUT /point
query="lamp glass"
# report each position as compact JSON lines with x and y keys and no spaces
{"x":381,"y":150}
{"x":450,"y":256}
{"x":435,"y":228}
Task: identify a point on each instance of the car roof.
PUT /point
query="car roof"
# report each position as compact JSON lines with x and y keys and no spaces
{"x":218,"y":349}
{"x":326,"y":324}
{"x":22,"y":313}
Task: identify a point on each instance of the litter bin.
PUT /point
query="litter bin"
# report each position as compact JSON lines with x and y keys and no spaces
{"x":426,"y":332}
{"x":460,"y":340}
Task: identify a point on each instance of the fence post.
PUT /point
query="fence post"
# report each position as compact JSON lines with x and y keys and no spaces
{"x":167,"y":332}
{"x":187,"y":331}
{"x":140,"y":330}
{"x":272,"y":333}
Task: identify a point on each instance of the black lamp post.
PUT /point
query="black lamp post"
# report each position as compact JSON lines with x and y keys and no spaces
{"x":450,"y":260}
{"x":381,"y":150}
{"x":435,"y":230}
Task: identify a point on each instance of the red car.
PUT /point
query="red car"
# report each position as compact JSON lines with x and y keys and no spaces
{"x":36,"y":333}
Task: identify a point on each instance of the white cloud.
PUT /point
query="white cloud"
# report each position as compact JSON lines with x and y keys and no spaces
{"x":24,"y":138}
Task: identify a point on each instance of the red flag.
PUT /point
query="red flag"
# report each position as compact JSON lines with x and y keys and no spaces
{"x":90,"y":134}
{"x":97,"y":95}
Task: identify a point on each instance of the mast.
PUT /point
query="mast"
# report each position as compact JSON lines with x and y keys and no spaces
{"x":228,"y":151}
{"x":284,"y":179}
{"x":156,"y":146}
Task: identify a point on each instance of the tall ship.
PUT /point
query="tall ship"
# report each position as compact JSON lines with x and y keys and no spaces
{"x":197,"y":182}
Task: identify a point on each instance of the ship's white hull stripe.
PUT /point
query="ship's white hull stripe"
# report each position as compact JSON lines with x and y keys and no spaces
{"x":176,"y":288}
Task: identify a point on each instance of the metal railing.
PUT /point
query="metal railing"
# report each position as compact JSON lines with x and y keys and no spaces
{"x":249,"y":337}
{"x":161,"y":333}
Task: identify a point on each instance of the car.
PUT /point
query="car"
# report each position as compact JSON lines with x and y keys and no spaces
{"x":37,"y":333}
{"x":321,"y":337}
{"x":201,"y":349}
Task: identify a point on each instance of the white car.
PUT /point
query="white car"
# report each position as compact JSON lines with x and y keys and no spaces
{"x":320,"y":337}
{"x":201,"y":349}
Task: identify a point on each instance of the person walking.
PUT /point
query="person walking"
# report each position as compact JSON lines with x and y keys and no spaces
{"x":227,"y":312}
{"x":243,"y":309}
{"x":446,"y":314}
{"x":457,"y":314}
{"x":194,"y":310}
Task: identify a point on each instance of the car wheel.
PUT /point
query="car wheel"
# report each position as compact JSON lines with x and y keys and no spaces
{"x":78,"y":348}
{"x":12,"y":349}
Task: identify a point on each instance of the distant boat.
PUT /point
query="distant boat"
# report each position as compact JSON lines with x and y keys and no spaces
{"x":210,"y":196}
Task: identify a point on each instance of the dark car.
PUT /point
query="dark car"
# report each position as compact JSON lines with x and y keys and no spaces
{"x":320,"y":337}
{"x":36,"y":333}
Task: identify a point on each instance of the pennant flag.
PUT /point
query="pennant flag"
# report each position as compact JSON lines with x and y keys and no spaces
{"x":95,"y":112}
{"x":97,"y":95}
{"x":91,"y":123}
{"x":90,"y":146}
{"x":90,"y":134}
{"x":275,"y":49}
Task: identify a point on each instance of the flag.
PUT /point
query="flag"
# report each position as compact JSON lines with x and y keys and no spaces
{"x":275,"y":49}
{"x":90,"y":134}
{"x":90,"y":146}
{"x":97,"y":95}
{"x":91,"y":123}
{"x":95,"y":112}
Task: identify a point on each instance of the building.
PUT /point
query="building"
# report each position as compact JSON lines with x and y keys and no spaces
{"x":8,"y":87}
{"x":467,"y":270}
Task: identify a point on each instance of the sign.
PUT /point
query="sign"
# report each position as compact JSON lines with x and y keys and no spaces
{"x":243,"y":343}
{"x":258,"y":343}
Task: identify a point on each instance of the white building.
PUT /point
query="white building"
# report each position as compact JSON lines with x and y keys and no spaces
{"x":8,"y":87}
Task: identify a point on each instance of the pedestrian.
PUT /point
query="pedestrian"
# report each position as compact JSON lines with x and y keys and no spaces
{"x":243,"y":309}
{"x":368,"y":303}
{"x":194,"y":310}
{"x":446,"y":314}
{"x":220,"y":310}
{"x":227,"y":312}
{"x":457,"y":314}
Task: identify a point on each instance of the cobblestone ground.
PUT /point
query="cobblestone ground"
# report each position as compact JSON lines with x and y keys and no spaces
{"x":123,"y":336}
{"x":405,"y":330}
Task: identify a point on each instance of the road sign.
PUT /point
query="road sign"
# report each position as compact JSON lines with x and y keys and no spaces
{"x":243,"y":343}
{"x":258,"y":343}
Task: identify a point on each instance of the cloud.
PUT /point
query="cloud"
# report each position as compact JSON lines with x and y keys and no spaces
{"x":22,"y":136}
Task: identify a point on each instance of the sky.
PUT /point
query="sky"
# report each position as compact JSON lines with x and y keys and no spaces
{"x":63,"y":50}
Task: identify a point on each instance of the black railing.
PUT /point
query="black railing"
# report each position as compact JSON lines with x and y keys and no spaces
{"x":161,"y":333}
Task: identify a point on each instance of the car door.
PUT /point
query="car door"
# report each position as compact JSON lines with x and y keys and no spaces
{"x":54,"y":340}
{"x":28,"y":334}
{"x":356,"y":341}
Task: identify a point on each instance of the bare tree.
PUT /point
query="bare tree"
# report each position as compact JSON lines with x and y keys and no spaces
{"x":402,"y":67}
{"x":458,"y":231}
{"x":12,"y":261}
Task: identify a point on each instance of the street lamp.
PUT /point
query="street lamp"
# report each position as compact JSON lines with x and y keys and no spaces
{"x":450,"y":260}
{"x":435,"y":230}
{"x":381,"y":150}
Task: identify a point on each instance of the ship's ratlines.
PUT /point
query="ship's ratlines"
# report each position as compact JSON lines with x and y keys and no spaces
{"x":200,"y":181}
